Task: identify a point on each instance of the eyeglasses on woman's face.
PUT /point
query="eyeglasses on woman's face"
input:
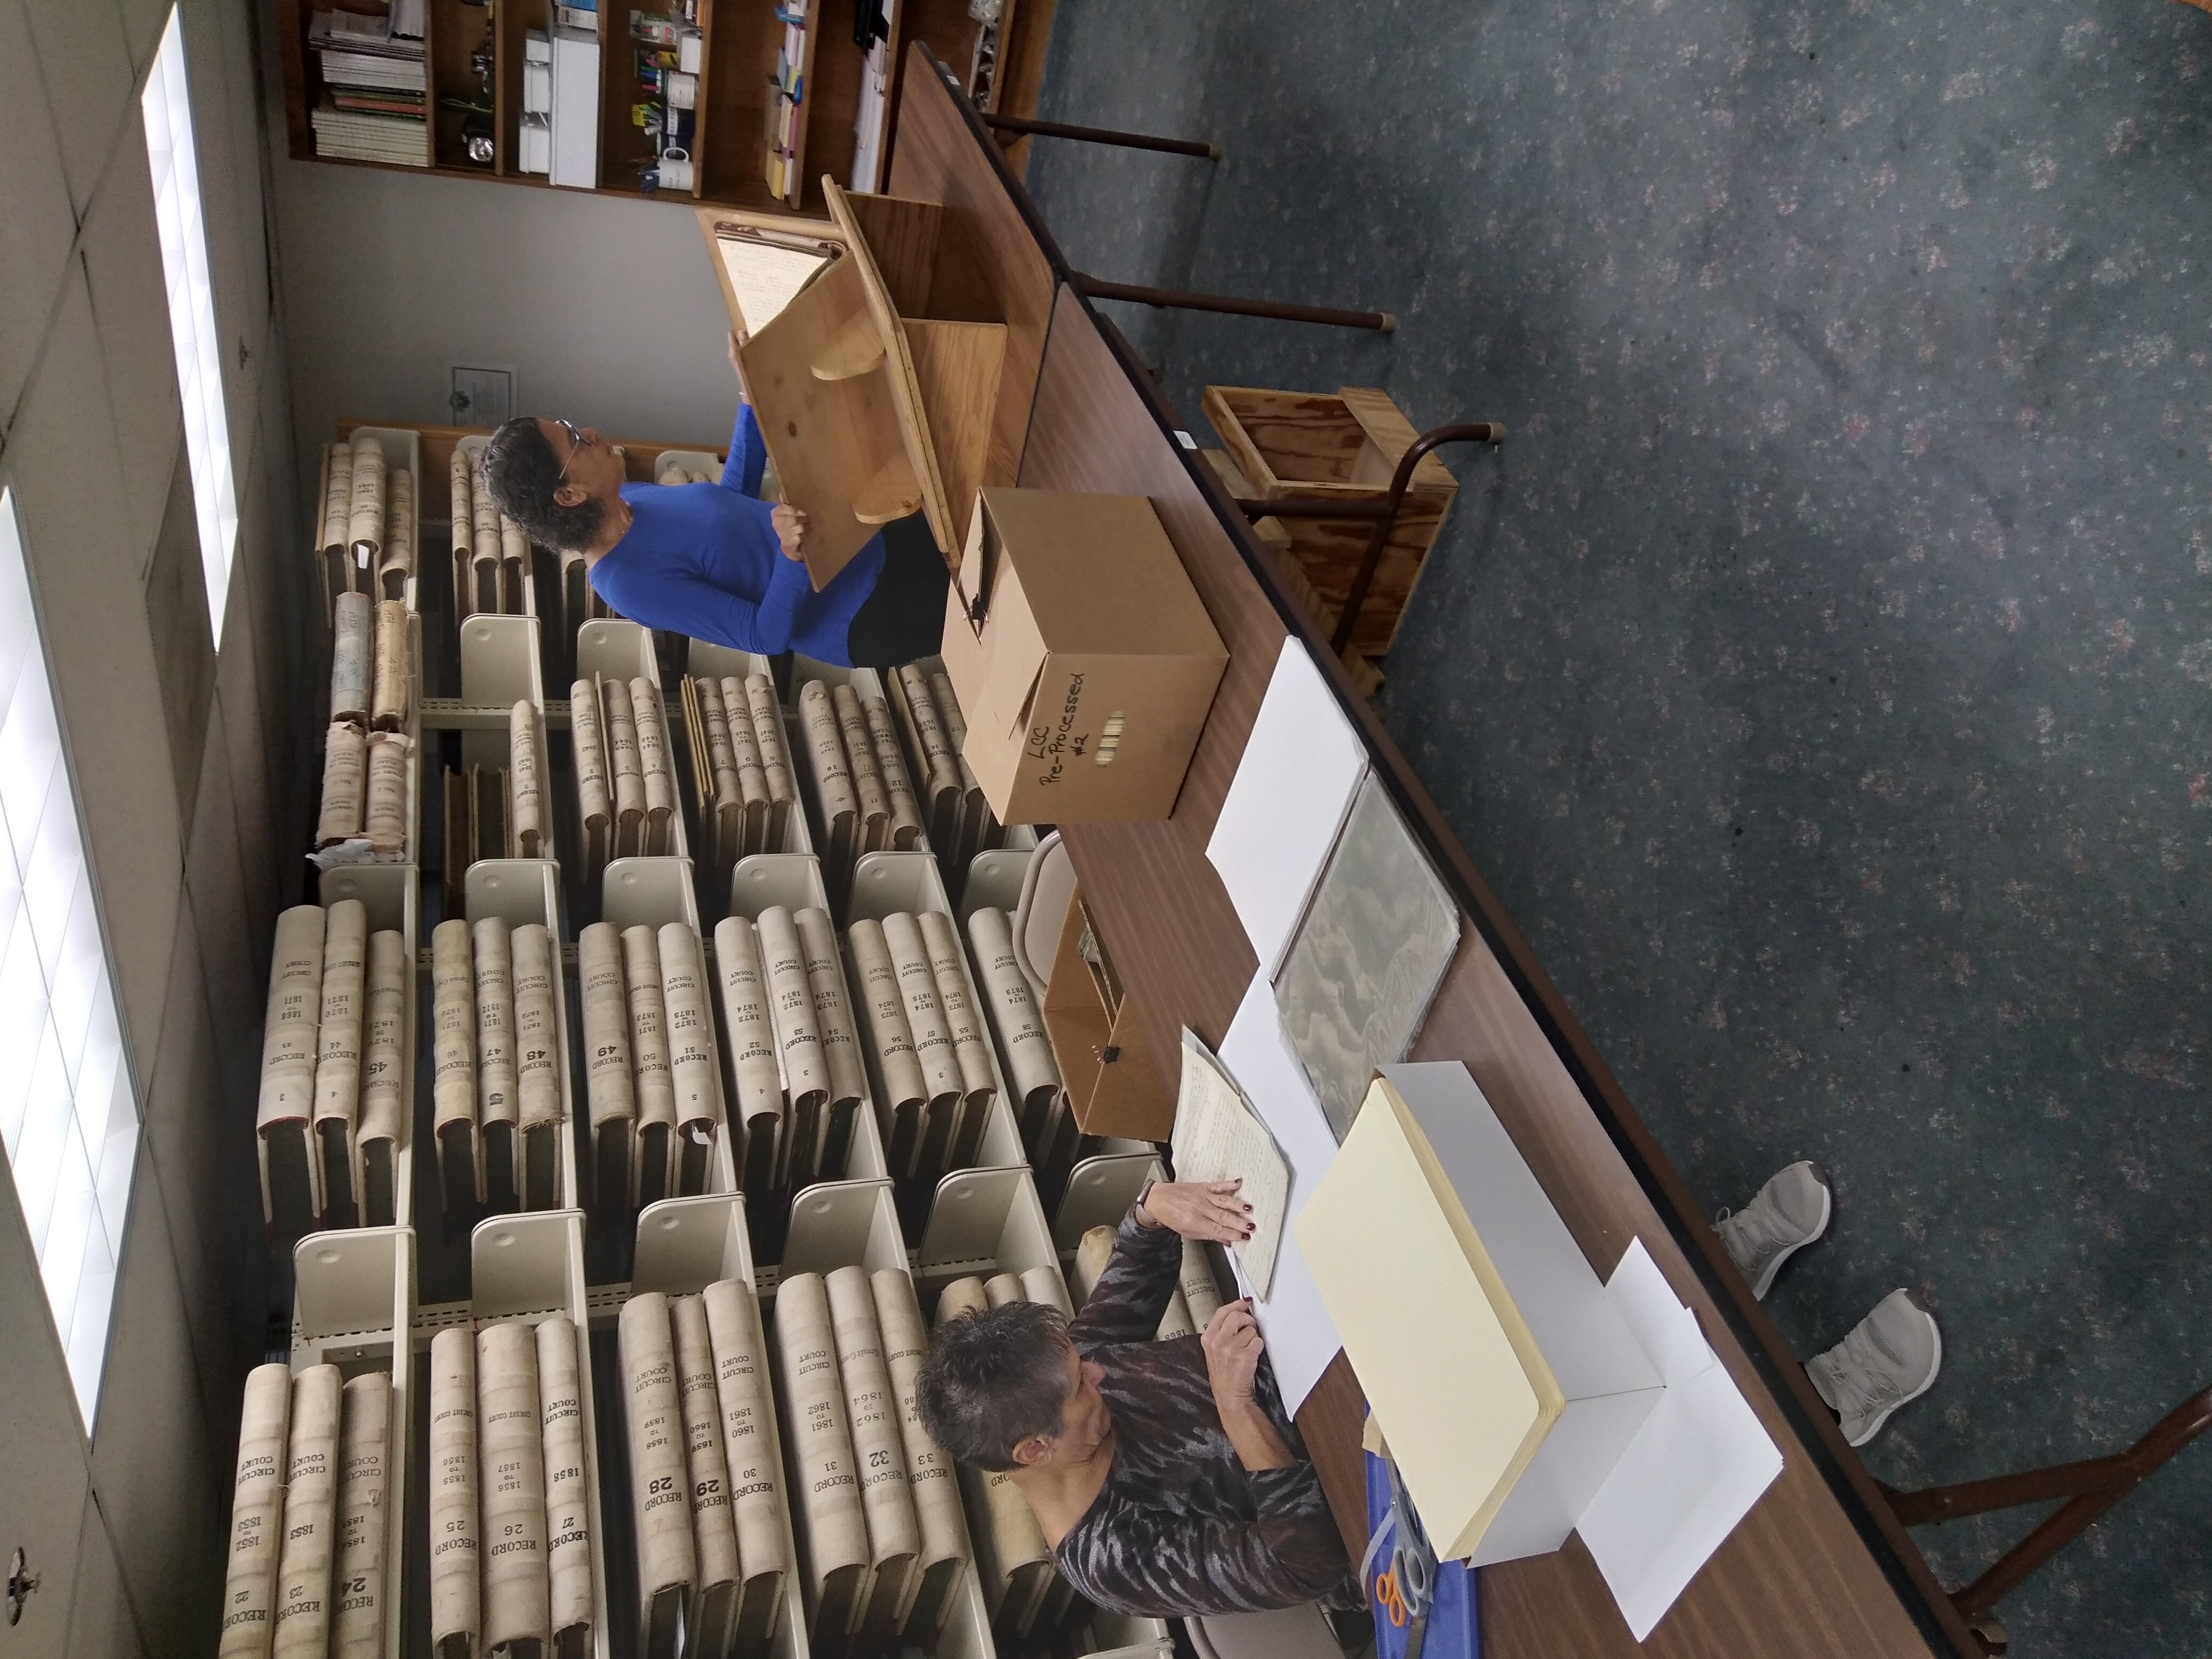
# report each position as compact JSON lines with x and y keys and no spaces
{"x":577,"y":439}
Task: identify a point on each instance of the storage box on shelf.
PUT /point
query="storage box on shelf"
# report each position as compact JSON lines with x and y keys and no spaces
{"x":500,"y":804}
{"x":531,"y":1268}
{"x":353,"y":1306}
{"x":525,"y":892}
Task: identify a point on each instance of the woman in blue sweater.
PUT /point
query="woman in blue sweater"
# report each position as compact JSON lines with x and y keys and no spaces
{"x":714,"y":560}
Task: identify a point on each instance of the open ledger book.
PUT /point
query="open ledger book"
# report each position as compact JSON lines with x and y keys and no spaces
{"x":1218,"y":1137}
{"x":766,"y":269}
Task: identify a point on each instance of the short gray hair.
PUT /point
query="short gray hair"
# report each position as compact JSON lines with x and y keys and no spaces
{"x":993,"y":1379}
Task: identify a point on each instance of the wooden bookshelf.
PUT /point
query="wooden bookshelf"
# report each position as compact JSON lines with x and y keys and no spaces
{"x":738,"y":50}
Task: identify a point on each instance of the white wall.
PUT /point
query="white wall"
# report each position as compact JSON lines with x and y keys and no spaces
{"x":607,"y":309}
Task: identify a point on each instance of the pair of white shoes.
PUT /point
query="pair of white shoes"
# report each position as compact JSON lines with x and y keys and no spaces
{"x":1891,"y":1356}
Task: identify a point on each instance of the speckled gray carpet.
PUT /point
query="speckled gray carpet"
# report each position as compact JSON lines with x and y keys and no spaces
{"x":1822,"y":672}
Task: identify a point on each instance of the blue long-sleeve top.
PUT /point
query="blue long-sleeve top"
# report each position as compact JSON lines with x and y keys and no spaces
{"x":703,"y":560}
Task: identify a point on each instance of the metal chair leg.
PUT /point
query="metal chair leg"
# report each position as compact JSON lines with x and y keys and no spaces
{"x":1384,"y":513}
{"x":1020,"y":126}
{"x":1097,"y":288}
{"x":2094,"y":1485}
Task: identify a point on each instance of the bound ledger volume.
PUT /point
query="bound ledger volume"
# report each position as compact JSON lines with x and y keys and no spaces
{"x":795,"y":1057}
{"x":864,"y":799}
{"x":934,"y":1084}
{"x":705,"y":1499}
{"x":652,"y":1076}
{"x":625,"y":780}
{"x":740,"y":768}
{"x":495,"y":1086}
{"x":329,"y":1119}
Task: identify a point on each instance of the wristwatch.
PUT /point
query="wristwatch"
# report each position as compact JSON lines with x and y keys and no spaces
{"x":1144,"y":1217}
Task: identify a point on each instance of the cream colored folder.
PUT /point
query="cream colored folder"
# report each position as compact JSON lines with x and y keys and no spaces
{"x":1454,"y":1378}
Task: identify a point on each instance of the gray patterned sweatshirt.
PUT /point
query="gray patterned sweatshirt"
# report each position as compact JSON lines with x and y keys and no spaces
{"x":1181,"y":1525}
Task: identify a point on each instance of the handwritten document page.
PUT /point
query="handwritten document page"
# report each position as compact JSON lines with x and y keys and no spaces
{"x":766,"y":273}
{"x":1218,"y":1137}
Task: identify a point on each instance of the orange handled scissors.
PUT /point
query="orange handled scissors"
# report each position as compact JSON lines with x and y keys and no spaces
{"x":1388,"y":1598}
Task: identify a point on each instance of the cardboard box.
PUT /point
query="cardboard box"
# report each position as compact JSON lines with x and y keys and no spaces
{"x":1114,"y":1086}
{"x":1084,"y":662}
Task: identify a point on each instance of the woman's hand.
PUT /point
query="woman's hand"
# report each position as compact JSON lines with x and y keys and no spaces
{"x":1233,"y":1345}
{"x":737,"y":365}
{"x":1202,"y":1210}
{"x":790,"y":529}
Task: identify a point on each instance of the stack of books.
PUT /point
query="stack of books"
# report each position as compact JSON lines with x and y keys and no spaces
{"x":783,"y":178}
{"x":375,"y":96}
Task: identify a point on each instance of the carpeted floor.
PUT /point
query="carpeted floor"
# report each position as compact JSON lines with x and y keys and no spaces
{"x":1822,"y":671}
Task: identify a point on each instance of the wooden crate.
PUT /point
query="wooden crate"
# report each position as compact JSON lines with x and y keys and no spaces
{"x":1344,"y":445}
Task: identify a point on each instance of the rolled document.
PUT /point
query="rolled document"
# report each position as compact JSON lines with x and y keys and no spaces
{"x":898,"y":788}
{"x":610,"y":1094}
{"x":805,"y":1069}
{"x":594,"y":788}
{"x":337,"y":1057}
{"x":620,"y":731}
{"x":749,"y":1448}
{"x":841,"y":1048}
{"x":337,"y":499}
{"x":311,"y":1517}
{"x":648,"y":1052}
{"x":291,"y":1043}
{"x":1092,"y":1252}
{"x":758,"y":1109}
{"x":713,"y":1529}
{"x":345,"y":752}
{"x":1201,"y":1294}
{"x":873,"y":823}
{"x":453,"y":1061}
{"x":929,"y":1472}
{"x":525,"y":818}
{"x":879,"y":1452}
{"x":511,"y":1480}
{"x":667,"y":1561}
{"x":567,"y":1502}
{"x":257,"y":1515}
{"x":384,"y":816}
{"x":833,"y":1530}
{"x":1031,"y":1072}
{"x":353,"y":615}
{"x":775,"y":756}
{"x":365,"y":531}
{"x":971,"y":1050}
{"x":362,"y":1593}
{"x":1011,"y":1557}
{"x":455,"y":1608}
{"x":693,"y":1074}
{"x":933,"y":1041}
{"x":387,"y":1063}
{"x":397,"y":562}
{"x":902,"y":1092}
{"x":655,"y":773}
{"x":388,"y":701}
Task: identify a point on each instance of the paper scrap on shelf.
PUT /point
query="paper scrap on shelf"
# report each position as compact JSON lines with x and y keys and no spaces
{"x":1218,"y":1137}
{"x":1302,"y":1338}
{"x":1288,"y":800}
{"x":1694,"y":1470}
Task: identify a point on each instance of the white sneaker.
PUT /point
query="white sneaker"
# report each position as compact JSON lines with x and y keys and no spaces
{"x":1891,"y":1356}
{"x":1790,"y":1212}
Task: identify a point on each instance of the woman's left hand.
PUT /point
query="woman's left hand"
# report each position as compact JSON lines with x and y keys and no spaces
{"x":790,"y":530}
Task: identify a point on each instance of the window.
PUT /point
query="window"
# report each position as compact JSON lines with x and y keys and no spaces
{"x":167,"y":108}
{"x":67,"y":1116}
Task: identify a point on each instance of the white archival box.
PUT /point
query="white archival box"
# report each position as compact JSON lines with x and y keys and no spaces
{"x":1609,"y":1382}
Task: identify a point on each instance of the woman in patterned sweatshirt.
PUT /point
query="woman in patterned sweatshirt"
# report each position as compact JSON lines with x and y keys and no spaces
{"x":1166,"y":1475}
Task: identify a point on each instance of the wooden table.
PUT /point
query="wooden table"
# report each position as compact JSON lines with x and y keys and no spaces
{"x":1818,"y":1566}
